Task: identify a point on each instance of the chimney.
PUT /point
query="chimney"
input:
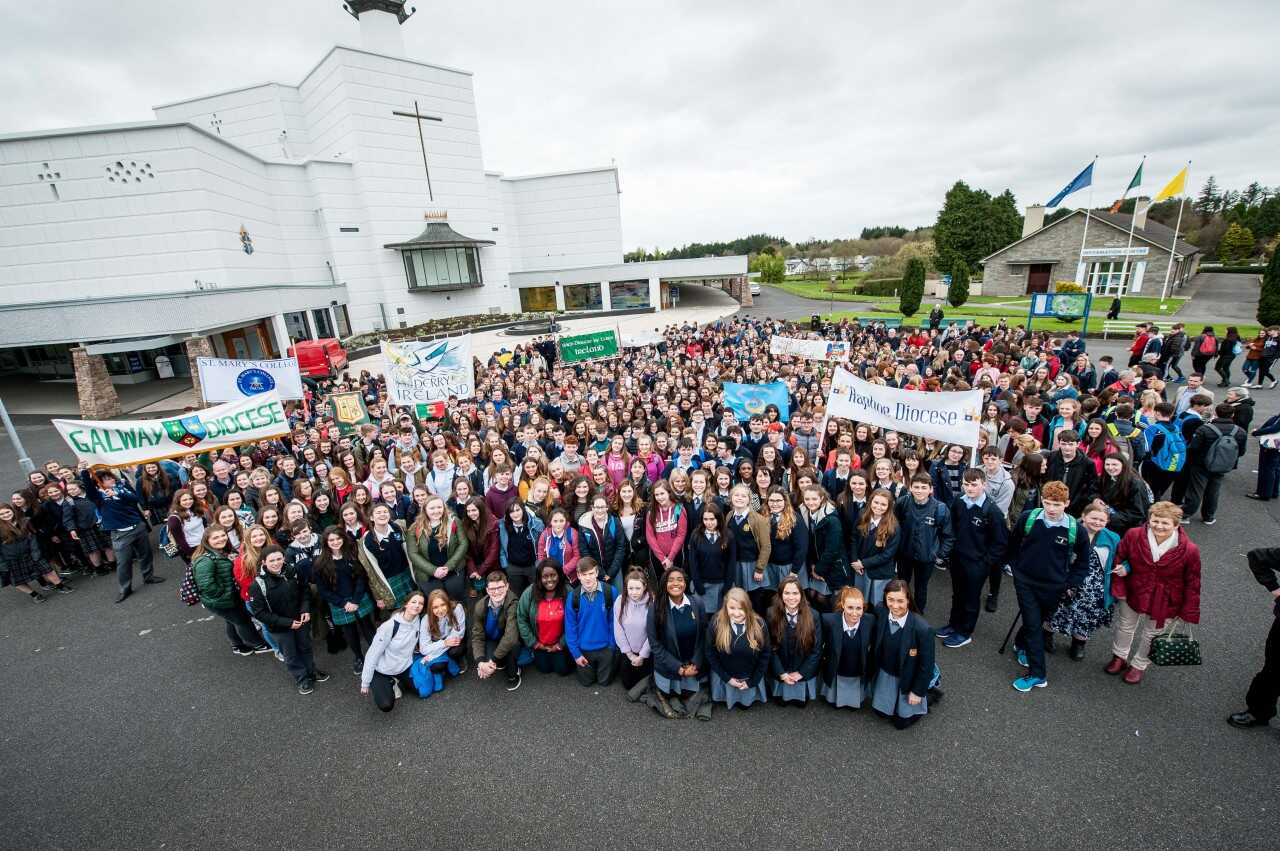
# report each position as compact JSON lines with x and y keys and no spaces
{"x":380,"y":22}
{"x":1033,"y":221}
{"x":1140,"y":207}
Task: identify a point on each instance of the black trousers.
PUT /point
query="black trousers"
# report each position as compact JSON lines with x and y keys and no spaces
{"x":1037,"y":603}
{"x":1159,"y":479}
{"x":356,"y":631}
{"x":632,"y":674}
{"x":994,"y":577}
{"x":240,"y":630}
{"x":454,"y":584}
{"x":553,"y":663}
{"x":918,"y":574}
{"x":600,"y":668}
{"x":967,"y":578}
{"x":520,"y":577}
{"x":295,"y":645}
{"x":1265,"y":688}
{"x":508,"y":664}
{"x":1202,"y":493}
{"x":383,"y":692}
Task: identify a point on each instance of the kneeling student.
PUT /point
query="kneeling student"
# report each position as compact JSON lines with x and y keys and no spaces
{"x":390,"y":654}
{"x":849,"y":662}
{"x":444,"y":627}
{"x":495,"y":638}
{"x":797,"y":645}
{"x":904,"y":659}
{"x":737,"y":652}
{"x":588,"y":631}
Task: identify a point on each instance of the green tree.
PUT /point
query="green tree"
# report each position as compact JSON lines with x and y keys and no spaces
{"x":1269,"y":303}
{"x":772,"y":268}
{"x":912,"y":290}
{"x":972,"y":224}
{"x":1237,"y":243}
{"x":1209,"y":200}
{"x":958,"y":292}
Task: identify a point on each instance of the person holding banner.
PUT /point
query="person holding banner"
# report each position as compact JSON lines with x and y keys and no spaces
{"x":121,"y":513}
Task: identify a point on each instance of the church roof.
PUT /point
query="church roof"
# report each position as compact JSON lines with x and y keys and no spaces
{"x":439,"y":235}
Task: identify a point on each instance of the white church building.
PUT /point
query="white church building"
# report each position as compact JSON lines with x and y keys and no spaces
{"x":356,"y":199}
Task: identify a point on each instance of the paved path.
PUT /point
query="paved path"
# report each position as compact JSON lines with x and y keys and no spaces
{"x":1221,"y":299}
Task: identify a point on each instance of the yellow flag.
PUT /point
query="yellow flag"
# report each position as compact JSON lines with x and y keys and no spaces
{"x":1173,"y":187}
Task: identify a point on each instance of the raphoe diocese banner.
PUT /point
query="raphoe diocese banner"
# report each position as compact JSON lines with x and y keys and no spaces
{"x":951,"y":417}
{"x":116,"y":443}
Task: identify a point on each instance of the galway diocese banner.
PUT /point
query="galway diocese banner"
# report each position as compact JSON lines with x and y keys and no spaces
{"x":349,"y":411}
{"x":951,"y":417}
{"x":116,"y":443}
{"x":810,"y":349}
{"x":429,"y":372}
{"x":224,"y":380}
{"x":746,"y":400}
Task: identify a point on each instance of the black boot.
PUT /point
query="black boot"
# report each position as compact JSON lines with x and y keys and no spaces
{"x":1077,"y":649}
{"x":993,"y":602}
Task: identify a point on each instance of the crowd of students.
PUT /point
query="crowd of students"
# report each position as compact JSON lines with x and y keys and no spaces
{"x":616,"y":521}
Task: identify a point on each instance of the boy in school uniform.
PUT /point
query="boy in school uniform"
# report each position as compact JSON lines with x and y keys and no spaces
{"x":926,"y":536}
{"x":981,"y":535}
{"x":588,"y":631}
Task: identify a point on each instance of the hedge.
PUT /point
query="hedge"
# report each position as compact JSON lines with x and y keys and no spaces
{"x":880,"y":286}
{"x":1234,"y":270}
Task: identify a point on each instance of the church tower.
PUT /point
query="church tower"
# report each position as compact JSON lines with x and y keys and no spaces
{"x":380,"y":22}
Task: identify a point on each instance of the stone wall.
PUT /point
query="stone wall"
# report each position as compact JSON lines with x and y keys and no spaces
{"x":198,"y":347}
{"x":97,"y":395}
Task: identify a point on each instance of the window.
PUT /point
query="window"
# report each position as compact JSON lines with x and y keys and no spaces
{"x":1109,"y":277}
{"x":343,"y":319}
{"x":296,"y":323}
{"x":537,"y":299}
{"x":583,"y":297}
{"x":324,"y":328}
{"x":628,"y":294}
{"x":442,"y":268}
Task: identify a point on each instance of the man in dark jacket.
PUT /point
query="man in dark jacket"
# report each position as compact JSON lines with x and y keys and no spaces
{"x":981,"y":534}
{"x":280,"y":601}
{"x":1049,"y":559}
{"x":1265,"y":688}
{"x":1067,"y":464}
{"x":1175,"y":343}
{"x":926,"y":536}
{"x":1204,"y":481}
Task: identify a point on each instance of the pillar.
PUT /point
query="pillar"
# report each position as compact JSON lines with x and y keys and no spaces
{"x":280,"y":330}
{"x":198,"y":347}
{"x":97,"y":395}
{"x":655,"y":293}
{"x":744,"y":292}
{"x":264,"y":339}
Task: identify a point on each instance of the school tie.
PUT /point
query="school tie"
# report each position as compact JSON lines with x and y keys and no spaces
{"x":894,"y":627}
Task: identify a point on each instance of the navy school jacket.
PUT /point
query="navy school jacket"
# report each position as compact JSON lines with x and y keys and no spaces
{"x":916,"y":657}
{"x":833,"y":645}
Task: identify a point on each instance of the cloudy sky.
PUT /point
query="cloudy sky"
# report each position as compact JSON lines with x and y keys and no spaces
{"x":804,"y":119}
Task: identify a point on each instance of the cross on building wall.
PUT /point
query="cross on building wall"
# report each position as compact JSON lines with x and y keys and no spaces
{"x":418,"y":118}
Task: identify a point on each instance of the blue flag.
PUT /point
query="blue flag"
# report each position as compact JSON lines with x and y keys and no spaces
{"x":1083,"y":179}
{"x":748,"y":399}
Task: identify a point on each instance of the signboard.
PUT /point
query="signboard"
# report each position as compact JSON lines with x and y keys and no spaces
{"x":593,"y":346}
{"x":429,"y":372}
{"x":117,"y":443}
{"x":225,"y":380}
{"x":811,"y":349}
{"x":1067,"y":305}
{"x":949,"y":417}
{"x":349,"y":411}
{"x":944,"y":280}
{"x":1118,"y":251}
{"x":746,"y":400}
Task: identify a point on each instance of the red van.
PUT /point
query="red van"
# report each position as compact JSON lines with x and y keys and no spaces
{"x":319,"y":358}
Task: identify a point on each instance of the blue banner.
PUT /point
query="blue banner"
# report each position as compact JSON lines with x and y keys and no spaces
{"x":748,"y":399}
{"x":1080,"y":181}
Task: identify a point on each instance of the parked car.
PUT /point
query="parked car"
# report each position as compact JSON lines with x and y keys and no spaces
{"x":755,"y":288}
{"x":319,"y":358}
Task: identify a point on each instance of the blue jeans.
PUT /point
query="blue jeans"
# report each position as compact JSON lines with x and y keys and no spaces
{"x":1269,"y":473}
{"x":266,"y":633}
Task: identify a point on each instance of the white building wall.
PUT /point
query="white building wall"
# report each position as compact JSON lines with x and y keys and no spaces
{"x":252,"y":118}
{"x":567,"y":220}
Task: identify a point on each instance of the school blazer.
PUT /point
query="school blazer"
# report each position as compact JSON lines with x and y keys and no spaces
{"x":879,"y":562}
{"x":609,"y":550}
{"x":666,"y":659}
{"x":915,"y":670}
{"x":833,"y":644}
{"x":786,"y":655}
{"x":740,"y":660}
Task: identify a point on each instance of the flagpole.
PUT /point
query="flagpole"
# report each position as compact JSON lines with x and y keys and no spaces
{"x":1133,"y":220}
{"x":1173,"y":247}
{"x":1085,"y":235}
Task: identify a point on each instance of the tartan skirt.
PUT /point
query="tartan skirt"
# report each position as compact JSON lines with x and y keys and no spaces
{"x":341,"y":617}
{"x":401,"y":586}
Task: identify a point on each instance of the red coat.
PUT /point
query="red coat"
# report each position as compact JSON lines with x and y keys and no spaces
{"x":482,"y":559}
{"x":1166,"y":589}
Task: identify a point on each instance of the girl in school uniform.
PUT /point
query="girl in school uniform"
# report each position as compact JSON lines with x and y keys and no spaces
{"x":826,"y":560}
{"x":788,"y":549}
{"x":795,"y":631}
{"x":738,"y":652}
{"x":751,"y":541}
{"x":875,"y":548}
{"x":904,"y":654}
{"x":849,"y":658}
{"x":712,"y":557}
{"x":676,"y":629}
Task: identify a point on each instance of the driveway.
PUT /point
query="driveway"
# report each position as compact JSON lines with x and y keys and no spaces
{"x":1221,"y":298}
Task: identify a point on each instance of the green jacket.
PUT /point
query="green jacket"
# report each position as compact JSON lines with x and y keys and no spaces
{"x":216,"y":581}
{"x":527,"y":614}
{"x":419,"y":552}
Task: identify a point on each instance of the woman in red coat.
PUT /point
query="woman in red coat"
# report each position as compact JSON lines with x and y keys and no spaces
{"x":1157,"y":577}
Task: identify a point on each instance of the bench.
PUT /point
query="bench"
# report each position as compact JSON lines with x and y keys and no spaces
{"x":888,"y":322}
{"x":1118,"y":326}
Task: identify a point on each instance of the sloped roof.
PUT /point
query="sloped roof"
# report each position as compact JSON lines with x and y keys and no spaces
{"x":438,"y":235}
{"x":1156,"y":234}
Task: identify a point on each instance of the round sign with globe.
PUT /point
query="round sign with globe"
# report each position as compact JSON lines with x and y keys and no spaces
{"x":253,"y":381}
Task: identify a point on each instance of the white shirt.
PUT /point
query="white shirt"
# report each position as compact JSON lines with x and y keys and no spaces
{"x":901,"y":622}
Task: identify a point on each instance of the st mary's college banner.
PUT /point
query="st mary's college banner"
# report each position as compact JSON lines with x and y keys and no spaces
{"x":116,"y":443}
{"x":429,"y":372}
{"x":950,"y":417}
{"x":810,"y":349}
{"x":225,"y":380}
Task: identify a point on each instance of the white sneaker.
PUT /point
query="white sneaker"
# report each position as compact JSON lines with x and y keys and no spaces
{"x":395,"y":689}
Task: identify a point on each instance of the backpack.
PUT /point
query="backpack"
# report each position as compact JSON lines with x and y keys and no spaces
{"x":1172,"y":455}
{"x":1071,"y":525}
{"x":606,"y":587}
{"x":188,"y":593}
{"x":1208,"y":345}
{"x":1224,"y":453}
{"x":1133,"y":437}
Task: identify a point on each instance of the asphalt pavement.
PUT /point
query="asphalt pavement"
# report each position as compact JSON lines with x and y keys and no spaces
{"x":133,"y":726}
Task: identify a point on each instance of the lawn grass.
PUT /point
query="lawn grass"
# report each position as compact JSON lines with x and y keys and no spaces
{"x":1040,"y":323}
